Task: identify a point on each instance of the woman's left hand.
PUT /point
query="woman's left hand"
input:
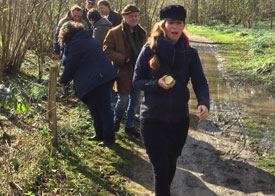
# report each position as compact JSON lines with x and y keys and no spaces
{"x":203,"y":112}
{"x":162,"y":83}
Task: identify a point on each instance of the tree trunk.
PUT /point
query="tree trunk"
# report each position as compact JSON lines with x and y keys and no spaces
{"x":194,"y":15}
{"x":1,"y":74}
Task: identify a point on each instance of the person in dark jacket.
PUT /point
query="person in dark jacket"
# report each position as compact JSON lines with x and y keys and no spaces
{"x":100,"y":25}
{"x":116,"y":19}
{"x":89,"y":4}
{"x":105,"y":9}
{"x":74,"y":14}
{"x":93,"y":75}
{"x":163,"y":70}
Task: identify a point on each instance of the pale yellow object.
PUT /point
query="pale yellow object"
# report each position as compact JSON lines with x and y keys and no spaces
{"x":169,"y":80}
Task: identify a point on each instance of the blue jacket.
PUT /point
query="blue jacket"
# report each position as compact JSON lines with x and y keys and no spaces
{"x":86,"y":64}
{"x":60,"y":23}
{"x":182,"y":63}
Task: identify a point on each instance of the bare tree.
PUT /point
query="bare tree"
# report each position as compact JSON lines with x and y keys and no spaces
{"x":17,"y":27}
{"x":31,"y":24}
{"x":28,"y":24}
{"x":193,"y":13}
{"x":268,"y":11}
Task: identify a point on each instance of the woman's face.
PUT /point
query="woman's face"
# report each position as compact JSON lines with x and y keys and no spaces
{"x":173,"y":29}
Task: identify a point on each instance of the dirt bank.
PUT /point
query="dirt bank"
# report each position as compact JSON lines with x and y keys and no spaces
{"x":213,"y":162}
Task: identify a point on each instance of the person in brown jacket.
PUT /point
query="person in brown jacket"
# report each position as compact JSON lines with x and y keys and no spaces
{"x":122,"y":46}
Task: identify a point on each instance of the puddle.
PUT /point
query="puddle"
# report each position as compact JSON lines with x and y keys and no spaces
{"x":253,"y":102}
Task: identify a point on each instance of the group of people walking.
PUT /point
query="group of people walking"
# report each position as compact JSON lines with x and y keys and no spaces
{"x":120,"y":57}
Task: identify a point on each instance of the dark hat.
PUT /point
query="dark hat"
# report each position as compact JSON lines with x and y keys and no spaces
{"x":173,"y":12}
{"x":128,"y":9}
{"x":90,"y":1}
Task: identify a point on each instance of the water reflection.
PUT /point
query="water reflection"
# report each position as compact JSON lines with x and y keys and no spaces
{"x":248,"y":99}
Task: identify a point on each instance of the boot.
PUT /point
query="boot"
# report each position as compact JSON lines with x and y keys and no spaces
{"x":95,"y":138}
{"x":105,"y":144}
{"x":65,"y":92}
{"x":117,"y":124}
{"x":132,"y":131}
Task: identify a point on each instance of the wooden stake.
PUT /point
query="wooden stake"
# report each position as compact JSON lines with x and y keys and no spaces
{"x":52,"y":104}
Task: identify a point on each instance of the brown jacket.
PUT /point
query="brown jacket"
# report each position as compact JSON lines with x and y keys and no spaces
{"x":117,"y":49}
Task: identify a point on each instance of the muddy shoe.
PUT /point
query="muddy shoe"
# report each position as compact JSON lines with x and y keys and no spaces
{"x":95,"y":138}
{"x":105,"y":144}
{"x":132,"y":131}
{"x":65,"y":94}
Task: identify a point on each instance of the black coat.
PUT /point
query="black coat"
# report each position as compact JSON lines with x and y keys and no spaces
{"x":86,"y":64}
{"x":114,"y":18}
{"x":183,"y":63}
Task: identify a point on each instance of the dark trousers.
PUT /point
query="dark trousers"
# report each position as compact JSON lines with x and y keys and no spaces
{"x":164,"y":142}
{"x":99,"y":104}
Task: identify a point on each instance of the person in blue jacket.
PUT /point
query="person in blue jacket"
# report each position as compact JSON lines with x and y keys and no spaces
{"x":163,"y":69}
{"x":93,"y":76}
{"x":75,"y":14}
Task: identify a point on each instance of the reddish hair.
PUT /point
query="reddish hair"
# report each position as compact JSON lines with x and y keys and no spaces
{"x":157,"y":31}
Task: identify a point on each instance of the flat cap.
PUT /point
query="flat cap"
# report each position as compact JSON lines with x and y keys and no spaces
{"x":173,"y":12}
{"x":128,"y":9}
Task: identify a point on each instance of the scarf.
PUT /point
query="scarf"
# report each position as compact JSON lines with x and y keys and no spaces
{"x":133,"y":40}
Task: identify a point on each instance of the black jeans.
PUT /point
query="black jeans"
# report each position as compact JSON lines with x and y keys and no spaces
{"x":164,"y":142}
{"x":99,"y":104}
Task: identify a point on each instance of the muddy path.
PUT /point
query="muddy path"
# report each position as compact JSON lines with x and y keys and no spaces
{"x":213,"y":163}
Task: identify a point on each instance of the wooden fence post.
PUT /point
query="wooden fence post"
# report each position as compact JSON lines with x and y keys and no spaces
{"x":52,"y":104}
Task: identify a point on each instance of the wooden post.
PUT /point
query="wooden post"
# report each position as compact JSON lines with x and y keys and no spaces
{"x":52,"y":104}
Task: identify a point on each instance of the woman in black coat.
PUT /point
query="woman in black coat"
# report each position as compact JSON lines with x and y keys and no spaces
{"x":93,"y":75}
{"x":163,"y":70}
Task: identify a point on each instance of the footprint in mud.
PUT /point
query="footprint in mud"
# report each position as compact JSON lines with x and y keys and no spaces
{"x":232,"y":182}
{"x":190,"y":185}
{"x":204,"y":170}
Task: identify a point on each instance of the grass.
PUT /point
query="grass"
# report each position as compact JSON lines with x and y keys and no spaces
{"x":249,"y":54}
{"x":268,"y":161}
{"x":31,"y":166}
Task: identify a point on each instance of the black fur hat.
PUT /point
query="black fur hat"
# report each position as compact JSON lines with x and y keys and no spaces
{"x":173,"y":12}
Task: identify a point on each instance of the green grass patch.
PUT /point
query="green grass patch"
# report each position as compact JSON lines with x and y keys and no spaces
{"x":248,"y":52}
{"x":31,"y":166}
{"x":268,"y":161}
